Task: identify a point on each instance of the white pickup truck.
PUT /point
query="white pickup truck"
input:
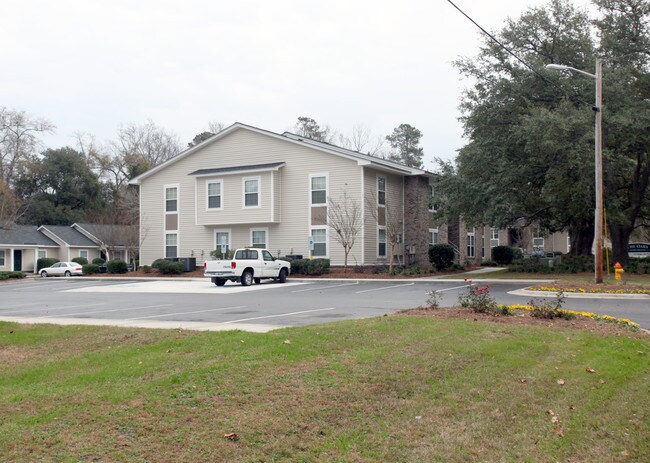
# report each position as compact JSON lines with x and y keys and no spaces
{"x":249,"y":265}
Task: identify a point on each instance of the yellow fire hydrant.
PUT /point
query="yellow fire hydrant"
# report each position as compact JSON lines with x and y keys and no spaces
{"x":618,"y":271}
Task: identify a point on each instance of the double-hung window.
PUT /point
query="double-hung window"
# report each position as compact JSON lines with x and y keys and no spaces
{"x":471,"y":243}
{"x":381,"y":191}
{"x":252,"y":192}
{"x":83,"y":253}
{"x":171,"y":199}
{"x":318,"y":190}
{"x":433,"y":236}
{"x":42,"y":253}
{"x":2,"y":258}
{"x":319,"y":236}
{"x":171,"y":245}
{"x":433,"y":207}
{"x":258,"y":238}
{"x":494,"y":237}
{"x":538,"y":240}
{"x":214,"y":195}
{"x":381,"y":242}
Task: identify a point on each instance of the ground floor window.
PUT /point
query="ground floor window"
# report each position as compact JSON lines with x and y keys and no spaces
{"x":494,"y":237}
{"x":171,"y":245}
{"x":222,"y":243}
{"x":538,"y":240}
{"x":433,"y":236}
{"x":42,"y":254}
{"x":320,"y":242}
{"x":83,"y":253}
{"x":471,"y":244}
{"x":258,"y":238}
{"x":119,"y":255}
{"x":2,"y":258}
{"x":381,"y":242}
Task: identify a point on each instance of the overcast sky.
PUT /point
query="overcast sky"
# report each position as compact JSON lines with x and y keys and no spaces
{"x":89,"y":66}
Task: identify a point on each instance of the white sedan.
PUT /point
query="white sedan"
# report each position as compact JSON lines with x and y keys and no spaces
{"x":59,"y":269}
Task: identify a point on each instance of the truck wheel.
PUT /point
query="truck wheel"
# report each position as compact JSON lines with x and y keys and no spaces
{"x":257,"y":280}
{"x":219,"y":281}
{"x":283,"y":275}
{"x":247,"y":278}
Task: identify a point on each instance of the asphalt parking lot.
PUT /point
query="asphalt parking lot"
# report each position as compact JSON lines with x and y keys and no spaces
{"x":198,"y":304}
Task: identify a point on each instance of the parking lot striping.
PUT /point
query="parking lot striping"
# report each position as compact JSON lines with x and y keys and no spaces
{"x":449,"y":289}
{"x":384,"y":287}
{"x":15,"y":306}
{"x":104,"y":311}
{"x":57,"y":308}
{"x":185,"y":313}
{"x":277,"y":315}
{"x":327,"y":287}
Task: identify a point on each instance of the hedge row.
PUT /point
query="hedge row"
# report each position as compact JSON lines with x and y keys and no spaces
{"x":309,"y":267}
{"x":10,"y":275}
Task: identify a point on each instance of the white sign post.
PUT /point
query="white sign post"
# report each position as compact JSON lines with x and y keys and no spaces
{"x":310,"y":243}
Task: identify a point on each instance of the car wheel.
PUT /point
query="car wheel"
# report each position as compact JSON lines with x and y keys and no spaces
{"x":44,"y":274}
{"x":247,"y":278}
{"x":67,"y":273}
{"x":257,"y":280}
{"x":283,"y":275}
{"x":219,"y":281}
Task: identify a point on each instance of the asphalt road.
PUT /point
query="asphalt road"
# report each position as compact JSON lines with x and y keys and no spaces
{"x":199,"y":304}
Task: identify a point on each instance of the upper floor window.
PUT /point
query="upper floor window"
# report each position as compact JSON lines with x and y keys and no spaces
{"x":381,"y":191}
{"x":433,"y":207}
{"x":381,"y":242}
{"x":251,"y":192}
{"x":319,"y":189}
{"x":171,"y":199}
{"x":214,"y":195}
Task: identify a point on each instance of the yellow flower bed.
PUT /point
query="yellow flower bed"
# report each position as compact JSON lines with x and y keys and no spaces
{"x":590,"y":290}
{"x":606,"y":318}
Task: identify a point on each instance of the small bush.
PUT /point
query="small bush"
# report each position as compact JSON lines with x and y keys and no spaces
{"x":503,"y":255}
{"x":146,"y":269}
{"x":170,"y":268}
{"x":159,"y":263}
{"x":80,"y":260}
{"x":441,"y":255}
{"x":310,"y":267}
{"x":550,"y":311}
{"x":11,"y":275}
{"x":45,"y":262}
{"x":480,"y":301}
{"x":117,"y":266}
{"x":90,"y":269}
{"x":98,"y":261}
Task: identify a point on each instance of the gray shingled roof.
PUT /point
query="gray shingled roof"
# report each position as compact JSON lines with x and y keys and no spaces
{"x":117,"y":234}
{"x":70,"y":235}
{"x":24,"y":235}
{"x":222,"y":170}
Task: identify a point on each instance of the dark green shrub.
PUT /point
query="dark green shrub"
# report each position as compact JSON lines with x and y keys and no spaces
{"x":170,"y":268}
{"x":11,"y":275}
{"x":90,"y":269}
{"x":299,"y":266}
{"x":80,"y":260}
{"x":503,"y":255}
{"x":45,"y":262}
{"x":117,"y":266}
{"x":159,"y":263}
{"x":98,"y":261}
{"x":146,"y":269}
{"x":441,"y":255}
{"x":318,"y":266}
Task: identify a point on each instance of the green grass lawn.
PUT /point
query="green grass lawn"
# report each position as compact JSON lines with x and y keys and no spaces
{"x":389,"y":389}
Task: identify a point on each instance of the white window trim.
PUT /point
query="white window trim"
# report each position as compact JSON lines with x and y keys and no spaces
{"x":224,"y":230}
{"x":327,"y":240}
{"x":492,"y":238}
{"x":84,"y":250}
{"x":259,"y":192}
{"x":432,"y":204}
{"x":41,"y":250}
{"x":4,"y":258}
{"x":379,"y":256}
{"x":207,"y":195}
{"x":266,"y":235}
{"x":385,"y":190}
{"x":473,"y":235}
{"x":327,"y":188}
{"x":178,"y":198}
{"x":178,"y":242}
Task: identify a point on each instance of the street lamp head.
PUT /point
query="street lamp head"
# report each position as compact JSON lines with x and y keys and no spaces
{"x":557,"y":67}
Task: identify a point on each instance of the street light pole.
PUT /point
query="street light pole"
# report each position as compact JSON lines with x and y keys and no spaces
{"x":598,"y":161}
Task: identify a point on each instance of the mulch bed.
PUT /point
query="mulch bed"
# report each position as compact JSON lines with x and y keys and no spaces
{"x":523,"y":318}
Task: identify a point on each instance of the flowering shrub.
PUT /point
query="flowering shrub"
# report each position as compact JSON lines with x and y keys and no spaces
{"x":479,"y":300}
{"x":606,"y":318}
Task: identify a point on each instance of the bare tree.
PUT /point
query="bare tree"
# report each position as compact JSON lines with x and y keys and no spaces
{"x":362,"y":141}
{"x":18,"y":141}
{"x":393,"y":224}
{"x":344,"y":217}
{"x":216,"y":126}
{"x":11,"y":207}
